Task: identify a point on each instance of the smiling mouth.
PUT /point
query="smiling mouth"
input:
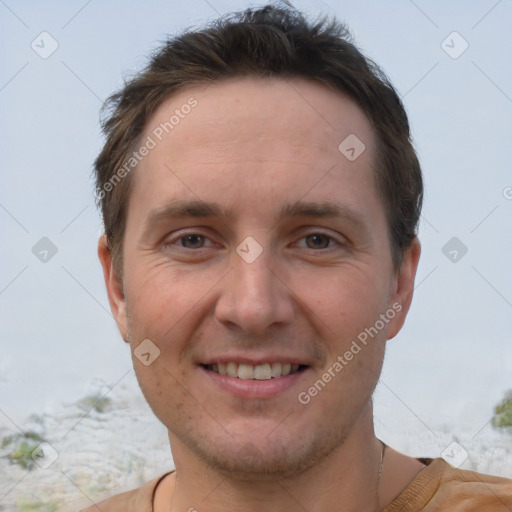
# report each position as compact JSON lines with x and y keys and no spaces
{"x":264,"y":371}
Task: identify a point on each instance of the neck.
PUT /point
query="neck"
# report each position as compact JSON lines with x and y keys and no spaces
{"x":347,"y":480}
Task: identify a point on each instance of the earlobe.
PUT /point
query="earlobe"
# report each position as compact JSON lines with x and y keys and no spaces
{"x":114,"y":286}
{"x":404,"y":287}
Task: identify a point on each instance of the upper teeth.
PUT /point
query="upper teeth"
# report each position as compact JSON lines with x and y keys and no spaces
{"x":259,"y":372}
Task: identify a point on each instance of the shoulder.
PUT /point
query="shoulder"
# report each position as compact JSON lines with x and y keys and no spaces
{"x":487,"y":491}
{"x":137,"y":500}
{"x":440,"y":486}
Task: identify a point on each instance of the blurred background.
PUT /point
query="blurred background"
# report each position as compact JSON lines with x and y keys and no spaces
{"x":66,"y":376}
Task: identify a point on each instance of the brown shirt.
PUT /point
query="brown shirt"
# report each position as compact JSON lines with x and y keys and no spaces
{"x":438,"y":487}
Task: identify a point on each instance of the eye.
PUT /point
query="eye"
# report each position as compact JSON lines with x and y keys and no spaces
{"x":192,"y":245}
{"x":193,"y":241}
{"x":188,"y":242}
{"x":318,"y":241}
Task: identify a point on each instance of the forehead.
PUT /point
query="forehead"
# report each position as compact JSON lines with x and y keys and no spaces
{"x":236,"y":135}
{"x":251,"y":110}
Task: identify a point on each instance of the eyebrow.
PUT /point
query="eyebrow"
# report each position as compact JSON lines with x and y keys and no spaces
{"x":321,"y":210}
{"x":204,"y":209}
{"x":326,"y":210}
{"x":178,"y":209}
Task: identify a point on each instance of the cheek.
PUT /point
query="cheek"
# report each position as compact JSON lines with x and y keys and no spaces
{"x":165,"y":308}
{"x":345,"y":300}
{"x":156,"y":381}
{"x":159,"y":297}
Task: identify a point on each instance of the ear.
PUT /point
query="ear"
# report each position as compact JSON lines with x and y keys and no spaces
{"x":114,"y":287}
{"x":403,"y":288}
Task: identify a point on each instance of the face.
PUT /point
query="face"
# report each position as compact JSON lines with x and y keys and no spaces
{"x":257,"y":261}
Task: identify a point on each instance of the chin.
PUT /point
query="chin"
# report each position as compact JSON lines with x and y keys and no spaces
{"x":265,"y":459}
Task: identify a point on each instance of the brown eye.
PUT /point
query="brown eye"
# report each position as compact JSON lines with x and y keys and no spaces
{"x":317,"y":241}
{"x":192,"y":241}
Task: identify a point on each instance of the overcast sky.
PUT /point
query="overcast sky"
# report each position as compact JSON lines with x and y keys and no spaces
{"x":449,"y":60}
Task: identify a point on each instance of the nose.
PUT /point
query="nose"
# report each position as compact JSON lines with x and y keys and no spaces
{"x":254,"y":296}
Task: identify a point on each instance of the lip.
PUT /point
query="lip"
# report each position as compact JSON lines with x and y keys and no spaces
{"x":254,"y":389}
{"x":255,"y":361}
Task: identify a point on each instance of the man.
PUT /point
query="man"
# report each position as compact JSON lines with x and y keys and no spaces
{"x":260,"y":195}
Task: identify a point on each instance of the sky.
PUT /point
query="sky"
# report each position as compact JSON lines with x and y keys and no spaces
{"x":450,"y":61}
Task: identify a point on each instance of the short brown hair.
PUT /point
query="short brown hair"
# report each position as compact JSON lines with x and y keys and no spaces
{"x":264,"y":42}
